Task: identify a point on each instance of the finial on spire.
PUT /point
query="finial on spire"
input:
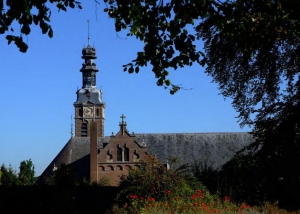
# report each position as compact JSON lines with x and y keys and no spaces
{"x":88,"y":32}
{"x":123,"y":118}
{"x":123,"y":125}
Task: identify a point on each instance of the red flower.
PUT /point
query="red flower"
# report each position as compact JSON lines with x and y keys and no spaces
{"x":194,"y":196}
{"x":133,"y":196}
{"x":200,"y":193}
{"x":227,"y":199}
{"x":150,"y":199}
{"x":245,"y":206}
{"x":169,"y":192}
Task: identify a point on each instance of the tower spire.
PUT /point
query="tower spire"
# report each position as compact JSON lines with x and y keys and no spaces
{"x":72,"y":133}
{"x":89,"y":105}
{"x":88,"y":67}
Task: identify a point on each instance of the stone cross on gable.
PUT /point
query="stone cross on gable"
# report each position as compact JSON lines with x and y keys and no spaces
{"x":122,"y":118}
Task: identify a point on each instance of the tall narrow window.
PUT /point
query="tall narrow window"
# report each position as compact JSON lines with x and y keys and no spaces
{"x":97,"y":112}
{"x":84,"y":130}
{"x":80,"y":112}
{"x":119,"y":154}
{"x":126,"y":154}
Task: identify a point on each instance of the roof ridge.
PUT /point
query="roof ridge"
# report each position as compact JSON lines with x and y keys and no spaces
{"x":196,"y":133}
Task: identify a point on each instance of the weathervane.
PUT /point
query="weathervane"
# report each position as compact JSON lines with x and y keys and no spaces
{"x":88,"y":32}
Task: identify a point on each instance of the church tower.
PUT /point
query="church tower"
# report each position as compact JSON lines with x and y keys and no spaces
{"x":89,"y":105}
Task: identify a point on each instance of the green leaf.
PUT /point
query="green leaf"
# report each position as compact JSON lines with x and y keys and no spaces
{"x":25,"y":29}
{"x":72,"y":5}
{"x":9,"y":38}
{"x":35,"y":19}
{"x":22,"y":47}
{"x":131,"y":70}
{"x":167,"y":82}
{"x":50,"y":32}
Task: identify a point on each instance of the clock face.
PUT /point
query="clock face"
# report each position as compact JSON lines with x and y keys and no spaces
{"x":87,"y":111}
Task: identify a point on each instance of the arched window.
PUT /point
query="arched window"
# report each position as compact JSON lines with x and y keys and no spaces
{"x":126,"y":154}
{"x":110,"y":167}
{"x":120,"y":167}
{"x":119,"y":154}
{"x":84,"y":130}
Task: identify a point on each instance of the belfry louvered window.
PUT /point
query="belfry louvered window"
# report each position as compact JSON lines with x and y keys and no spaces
{"x":84,"y":130}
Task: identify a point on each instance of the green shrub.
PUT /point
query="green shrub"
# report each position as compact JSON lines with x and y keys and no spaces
{"x":153,"y":180}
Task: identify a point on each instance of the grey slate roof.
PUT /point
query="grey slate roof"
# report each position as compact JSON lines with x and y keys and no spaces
{"x":95,"y":96}
{"x":213,"y":148}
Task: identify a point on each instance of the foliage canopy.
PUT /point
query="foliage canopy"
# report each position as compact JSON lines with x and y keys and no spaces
{"x":26,"y":174}
{"x":8,"y":176}
{"x":26,"y":13}
{"x":251,"y":49}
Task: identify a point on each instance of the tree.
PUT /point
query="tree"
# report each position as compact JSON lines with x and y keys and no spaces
{"x":253,"y":54}
{"x":26,"y":174}
{"x":252,"y":51}
{"x":8,"y":176}
{"x":25,"y":13}
{"x":249,"y":46}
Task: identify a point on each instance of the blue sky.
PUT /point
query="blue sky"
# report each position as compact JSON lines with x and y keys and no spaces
{"x":38,"y":90}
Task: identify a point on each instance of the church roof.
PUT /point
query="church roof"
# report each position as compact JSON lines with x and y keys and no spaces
{"x":213,"y":148}
{"x":94,"y":96}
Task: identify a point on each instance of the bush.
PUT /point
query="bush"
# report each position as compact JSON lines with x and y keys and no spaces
{"x":198,"y":202}
{"x":153,"y":180}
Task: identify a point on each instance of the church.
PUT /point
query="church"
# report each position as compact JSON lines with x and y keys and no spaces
{"x":94,"y":156}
